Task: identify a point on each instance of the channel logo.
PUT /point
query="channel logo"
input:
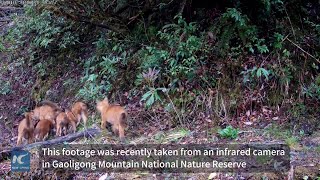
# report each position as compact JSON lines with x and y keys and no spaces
{"x":20,"y":161}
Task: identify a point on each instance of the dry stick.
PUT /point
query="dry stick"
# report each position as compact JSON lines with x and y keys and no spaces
{"x":182,"y":5}
{"x":70,"y":137}
{"x":290,"y":22}
{"x":303,"y":50}
{"x":5,"y":20}
{"x":174,"y":108}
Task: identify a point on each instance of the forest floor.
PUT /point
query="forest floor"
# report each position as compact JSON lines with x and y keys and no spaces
{"x":12,"y":105}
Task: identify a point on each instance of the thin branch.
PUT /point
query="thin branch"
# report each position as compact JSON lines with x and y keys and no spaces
{"x":99,"y":25}
{"x":183,"y":4}
{"x":68,"y":138}
{"x":290,"y":22}
{"x":303,"y":50}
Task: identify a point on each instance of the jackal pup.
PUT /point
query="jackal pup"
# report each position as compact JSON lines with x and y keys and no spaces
{"x":62,"y":124}
{"x":116,"y":115}
{"x":43,"y":129}
{"x":25,"y":129}
{"x":48,"y":110}
{"x":79,"y":111}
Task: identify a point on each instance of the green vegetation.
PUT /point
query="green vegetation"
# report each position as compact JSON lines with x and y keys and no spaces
{"x":278,"y":132}
{"x":292,"y":142}
{"x":5,"y":88}
{"x":228,"y":132}
{"x":233,"y":61}
{"x":173,"y":136}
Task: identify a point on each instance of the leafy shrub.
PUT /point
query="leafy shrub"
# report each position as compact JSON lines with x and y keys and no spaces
{"x":312,"y":91}
{"x":91,"y":89}
{"x":292,"y":141}
{"x":236,"y":34}
{"x":228,"y":132}
{"x":48,"y":40}
{"x":152,"y":96}
{"x":45,"y":32}
{"x":255,"y":73}
{"x":98,"y":77}
{"x":179,"y":59}
{"x":5,"y":87}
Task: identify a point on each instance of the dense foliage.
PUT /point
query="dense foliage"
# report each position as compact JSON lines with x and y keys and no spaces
{"x":234,"y":57}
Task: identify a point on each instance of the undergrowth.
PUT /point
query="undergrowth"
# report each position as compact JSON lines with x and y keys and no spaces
{"x":230,"y":66}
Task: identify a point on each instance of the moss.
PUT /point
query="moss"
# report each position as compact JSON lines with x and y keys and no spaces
{"x":306,"y":125}
{"x":292,"y":142}
{"x":235,"y":97}
{"x":40,"y":89}
{"x":71,"y":87}
{"x":318,"y":80}
{"x":213,"y":131}
{"x":278,"y":132}
{"x":274,"y":98}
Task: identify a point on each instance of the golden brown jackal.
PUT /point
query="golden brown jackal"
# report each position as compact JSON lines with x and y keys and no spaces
{"x":116,"y":115}
{"x":47,"y":110}
{"x":25,"y":129}
{"x":43,"y":129}
{"x":62,"y":124}
{"x":79,"y":111}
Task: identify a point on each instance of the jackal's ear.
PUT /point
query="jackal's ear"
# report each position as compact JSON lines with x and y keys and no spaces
{"x":28,"y":114}
{"x":98,"y":101}
{"x":106,"y":100}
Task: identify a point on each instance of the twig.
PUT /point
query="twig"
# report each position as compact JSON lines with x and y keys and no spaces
{"x":290,"y":22}
{"x":245,"y":132}
{"x":87,"y":133}
{"x":6,"y":20}
{"x":303,"y":50}
{"x":174,"y":108}
{"x":182,"y":5}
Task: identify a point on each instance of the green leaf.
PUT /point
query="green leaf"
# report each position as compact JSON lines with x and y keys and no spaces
{"x":259,"y":72}
{"x":157,"y":97}
{"x":228,"y":132}
{"x":150,"y":101}
{"x":263,"y":49}
{"x":265,"y":73}
{"x":146,"y":95}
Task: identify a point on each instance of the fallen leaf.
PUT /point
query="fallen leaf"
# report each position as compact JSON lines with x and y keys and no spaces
{"x":252,"y":118}
{"x":248,"y":113}
{"x":104,"y":177}
{"x":208,"y":120}
{"x":212,"y":175}
{"x":248,"y":123}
